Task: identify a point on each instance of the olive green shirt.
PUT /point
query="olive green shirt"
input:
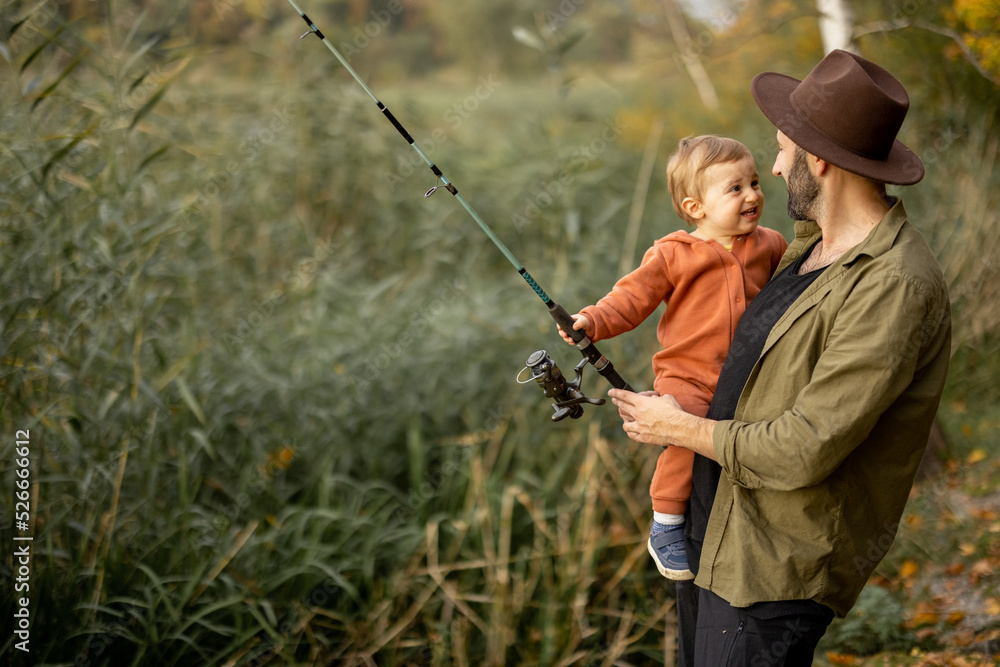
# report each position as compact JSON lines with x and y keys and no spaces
{"x":831,"y":426}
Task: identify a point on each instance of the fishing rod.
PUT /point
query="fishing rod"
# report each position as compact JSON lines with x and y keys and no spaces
{"x":567,"y":396}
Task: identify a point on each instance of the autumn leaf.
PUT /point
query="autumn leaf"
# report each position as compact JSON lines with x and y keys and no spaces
{"x":954,"y":618}
{"x":880,"y":580}
{"x":924,"y":618}
{"x":976,"y":21}
{"x":981,"y":569}
{"x":967,"y":549}
{"x":909,"y":569}
{"x":924,"y":615}
{"x":976,"y":456}
{"x":962,"y":661}
{"x":964,"y":638}
{"x":840,"y":658}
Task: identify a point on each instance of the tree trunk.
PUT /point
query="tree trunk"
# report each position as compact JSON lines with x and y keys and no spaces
{"x":836,"y":25}
{"x":687,"y":55}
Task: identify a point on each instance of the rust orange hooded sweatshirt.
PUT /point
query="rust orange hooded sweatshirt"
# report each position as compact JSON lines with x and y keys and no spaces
{"x":706,"y":289}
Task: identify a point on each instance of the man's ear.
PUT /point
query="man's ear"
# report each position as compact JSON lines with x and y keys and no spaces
{"x":693,"y":208}
{"x":820,"y":167}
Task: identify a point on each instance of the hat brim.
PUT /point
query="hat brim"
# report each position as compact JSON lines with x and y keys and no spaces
{"x":772,"y":92}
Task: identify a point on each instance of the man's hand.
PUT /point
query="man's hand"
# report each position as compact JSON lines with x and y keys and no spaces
{"x":647,"y":416}
{"x":580,"y":322}
{"x":660,"y":420}
{"x":625,"y":409}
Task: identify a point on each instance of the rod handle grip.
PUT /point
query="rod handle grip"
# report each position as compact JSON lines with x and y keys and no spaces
{"x":593,"y":355}
{"x":611,"y":375}
{"x":565,"y":321}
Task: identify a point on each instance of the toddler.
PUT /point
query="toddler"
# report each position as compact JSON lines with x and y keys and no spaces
{"x":706,"y":277}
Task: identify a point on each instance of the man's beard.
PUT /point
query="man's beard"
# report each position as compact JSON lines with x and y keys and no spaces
{"x":803,"y":189}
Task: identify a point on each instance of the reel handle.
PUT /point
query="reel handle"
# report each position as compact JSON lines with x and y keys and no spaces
{"x":567,"y":395}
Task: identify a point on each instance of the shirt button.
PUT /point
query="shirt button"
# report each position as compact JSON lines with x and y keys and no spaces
{"x":738,"y":299}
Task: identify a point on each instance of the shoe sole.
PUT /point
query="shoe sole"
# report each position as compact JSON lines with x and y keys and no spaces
{"x":675,"y":575}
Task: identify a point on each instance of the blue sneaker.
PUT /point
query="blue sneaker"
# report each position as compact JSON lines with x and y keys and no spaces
{"x":669,"y":554}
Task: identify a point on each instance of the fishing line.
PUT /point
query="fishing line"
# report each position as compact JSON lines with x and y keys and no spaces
{"x":569,"y":396}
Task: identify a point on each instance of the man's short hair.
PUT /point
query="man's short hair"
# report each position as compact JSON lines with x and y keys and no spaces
{"x":687,"y":165}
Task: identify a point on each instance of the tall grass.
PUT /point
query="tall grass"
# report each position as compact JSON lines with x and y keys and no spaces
{"x":271,"y":387}
{"x":271,"y":390}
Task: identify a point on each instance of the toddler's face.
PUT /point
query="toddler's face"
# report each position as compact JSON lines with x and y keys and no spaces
{"x":731,"y":201}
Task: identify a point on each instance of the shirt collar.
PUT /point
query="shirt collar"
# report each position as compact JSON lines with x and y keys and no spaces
{"x":882,"y":236}
{"x":878,"y":241}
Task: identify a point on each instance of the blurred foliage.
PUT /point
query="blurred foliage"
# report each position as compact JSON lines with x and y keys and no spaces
{"x":874,"y":624}
{"x":977,"y":20}
{"x":270,"y":386}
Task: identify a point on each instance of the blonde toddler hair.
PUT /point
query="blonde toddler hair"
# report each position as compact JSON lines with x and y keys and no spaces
{"x":694,"y":155}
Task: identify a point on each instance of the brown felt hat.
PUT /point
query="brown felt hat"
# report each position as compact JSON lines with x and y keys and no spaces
{"x":846,"y":111}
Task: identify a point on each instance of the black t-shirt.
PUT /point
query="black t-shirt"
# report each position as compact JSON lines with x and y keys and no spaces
{"x":748,"y":342}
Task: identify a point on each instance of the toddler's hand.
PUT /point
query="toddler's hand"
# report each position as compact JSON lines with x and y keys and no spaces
{"x":580,"y":323}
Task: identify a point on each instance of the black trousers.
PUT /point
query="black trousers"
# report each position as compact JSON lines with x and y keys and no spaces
{"x":712,"y":633}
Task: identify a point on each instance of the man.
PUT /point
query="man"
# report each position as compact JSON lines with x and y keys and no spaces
{"x":828,"y":393}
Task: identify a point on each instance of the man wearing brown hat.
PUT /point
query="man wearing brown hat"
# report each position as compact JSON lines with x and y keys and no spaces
{"x":829,"y":390}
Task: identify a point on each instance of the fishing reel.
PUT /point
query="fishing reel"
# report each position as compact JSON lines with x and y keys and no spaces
{"x":569,"y":398}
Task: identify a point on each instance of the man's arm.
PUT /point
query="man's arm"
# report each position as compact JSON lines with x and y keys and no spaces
{"x":869,"y":358}
{"x":659,"y":420}
{"x":868,"y":362}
